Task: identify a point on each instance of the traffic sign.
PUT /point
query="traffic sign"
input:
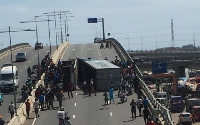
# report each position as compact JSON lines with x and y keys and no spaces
{"x":92,"y":20}
{"x":159,"y":67}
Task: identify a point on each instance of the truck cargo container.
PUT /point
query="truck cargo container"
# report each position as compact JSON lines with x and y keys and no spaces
{"x":101,"y":71}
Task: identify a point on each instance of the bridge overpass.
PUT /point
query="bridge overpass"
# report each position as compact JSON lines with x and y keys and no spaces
{"x":116,"y":111}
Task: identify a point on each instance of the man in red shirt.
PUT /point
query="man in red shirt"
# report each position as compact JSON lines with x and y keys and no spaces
{"x":27,"y":103}
{"x":151,"y":123}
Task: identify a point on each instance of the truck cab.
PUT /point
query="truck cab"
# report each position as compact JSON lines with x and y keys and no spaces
{"x":7,"y":78}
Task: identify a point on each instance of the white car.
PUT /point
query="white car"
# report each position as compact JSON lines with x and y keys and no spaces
{"x":185,"y":118}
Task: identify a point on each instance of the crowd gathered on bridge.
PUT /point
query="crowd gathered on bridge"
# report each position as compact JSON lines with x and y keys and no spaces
{"x":55,"y":84}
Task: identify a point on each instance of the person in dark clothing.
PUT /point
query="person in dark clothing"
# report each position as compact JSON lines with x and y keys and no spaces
{"x":27,"y":103}
{"x":145,"y":115}
{"x":29,"y":72}
{"x":69,"y":89}
{"x":2,"y":122}
{"x":133,"y":105}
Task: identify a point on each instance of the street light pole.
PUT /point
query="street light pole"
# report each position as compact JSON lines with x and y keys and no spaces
{"x":12,"y":73}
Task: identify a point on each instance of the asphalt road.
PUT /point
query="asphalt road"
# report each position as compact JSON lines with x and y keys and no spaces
{"x":90,"y":110}
{"x":22,"y":69}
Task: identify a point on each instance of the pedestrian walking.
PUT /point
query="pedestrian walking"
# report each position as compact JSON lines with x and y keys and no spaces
{"x":106,"y":97}
{"x":36,"y":107}
{"x":2,"y":122}
{"x":111,"y":94}
{"x":69,"y":89}
{"x":123,"y":85}
{"x":140,"y":105}
{"x":136,"y":83}
{"x":133,"y":105}
{"x":145,"y":115}
{"x":29,"y":72}
{"x":59,"y":98}
{"x":27,"y":103}
{"x":11,"y":109}
{"x":119,"y":88}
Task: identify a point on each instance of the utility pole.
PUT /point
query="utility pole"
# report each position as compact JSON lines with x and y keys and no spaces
{"x":172,"y":33}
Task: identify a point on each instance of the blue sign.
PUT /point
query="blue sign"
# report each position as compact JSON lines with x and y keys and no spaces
{"x":92,"y":20}
{"x":159,"y":67}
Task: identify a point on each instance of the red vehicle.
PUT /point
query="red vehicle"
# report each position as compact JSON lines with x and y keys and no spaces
{"x":196,"y":111}
{"x":38,"y":46}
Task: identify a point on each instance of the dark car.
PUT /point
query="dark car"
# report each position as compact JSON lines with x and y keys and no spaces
{"x":38,"y":46}
{"x":97,"y":40}
{"x":6,"y":64}
{"x":21,"y":56}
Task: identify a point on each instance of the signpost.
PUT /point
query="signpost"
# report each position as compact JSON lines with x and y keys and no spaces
{"x":92,"y":20}
{"x":95,"y":20}
{"x":159,"y":67}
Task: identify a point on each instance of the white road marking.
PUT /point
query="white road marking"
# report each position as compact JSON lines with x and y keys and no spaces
{"x":34,"y":121}
{"x":74,"y":104}
{"x":25,"y":66}
{"x":110,"y":113}
{"x":74,"y":49}
{"x":73,"y":116}
{"x":89,"y":49}
{"x":76,"y":93}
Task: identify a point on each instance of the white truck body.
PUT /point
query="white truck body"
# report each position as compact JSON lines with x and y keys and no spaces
{"x":6,"y":78}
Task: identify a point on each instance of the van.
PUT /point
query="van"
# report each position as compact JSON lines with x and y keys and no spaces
{"x":7,"y":79}
{"x":176,"y":104}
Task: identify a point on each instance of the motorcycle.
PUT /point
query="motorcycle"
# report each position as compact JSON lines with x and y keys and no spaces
{"x":65,"y":121}
{"x":63,"y":118}
{"x":123,"y":98}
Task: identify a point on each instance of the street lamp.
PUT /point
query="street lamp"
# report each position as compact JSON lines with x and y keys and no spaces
{"x":9,"y":31}
{"x":128,"y":44}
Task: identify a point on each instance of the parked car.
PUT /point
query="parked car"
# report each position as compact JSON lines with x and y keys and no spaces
{"x":38,"y":46}
{"x":21,"y":56}
{"x":185,"y":118}
{"x":6,"y":64}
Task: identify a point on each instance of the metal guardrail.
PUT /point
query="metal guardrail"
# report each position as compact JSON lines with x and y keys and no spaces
{"x":165,"y":113}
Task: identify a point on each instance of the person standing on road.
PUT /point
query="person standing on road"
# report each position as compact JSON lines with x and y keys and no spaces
{"x":69,"y":89}
{"x":139,"y":105}
{"x":145,"y":115}
{"x":146,"y":102}
{"x":36,"y":107}
{"x":11,"y":109}
{"x":2,"y":122}
{"x":84,"y":86}
{"x":155,"y":114}
{"x":92,"y":88}
{"x":111,"y":94}
{"x":106,"y":97}
{"x":41,"y":100}
{"x":29,"y":72}
{"x":27,"y":103}
{"x":133,"y":105}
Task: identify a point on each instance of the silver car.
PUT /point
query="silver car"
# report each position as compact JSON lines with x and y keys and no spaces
{"x":21,"y":56}
{"x":185,"y":118}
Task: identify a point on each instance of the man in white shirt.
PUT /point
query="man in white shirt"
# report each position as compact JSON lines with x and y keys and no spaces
{"x":36,"y":107}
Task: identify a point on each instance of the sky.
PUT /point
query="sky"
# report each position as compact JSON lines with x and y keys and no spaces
{"x":136,"y":24}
